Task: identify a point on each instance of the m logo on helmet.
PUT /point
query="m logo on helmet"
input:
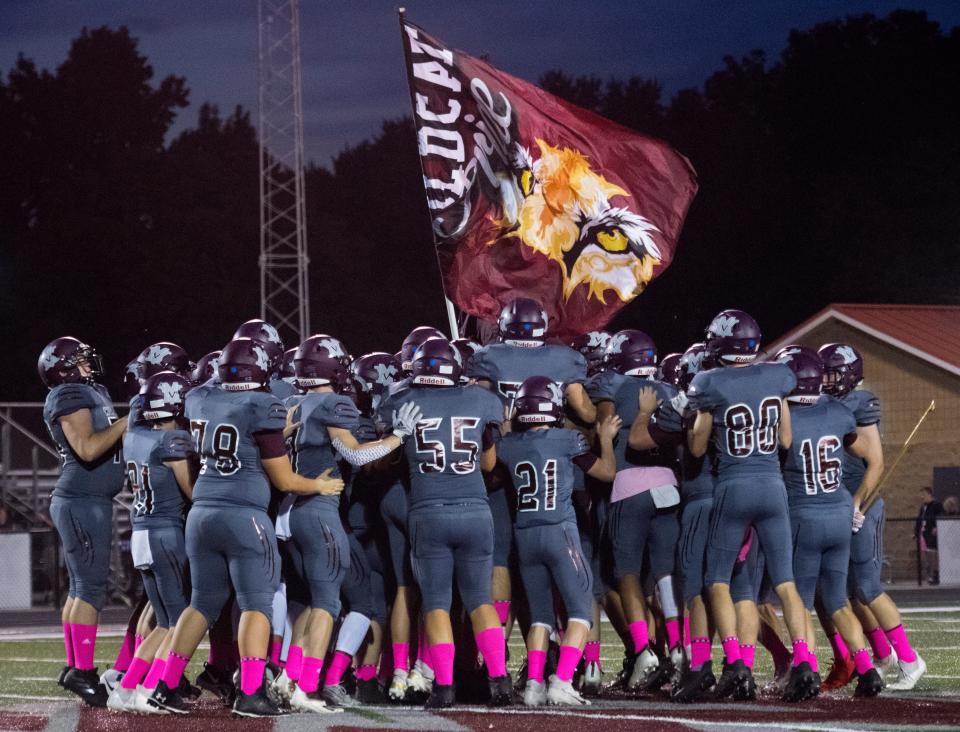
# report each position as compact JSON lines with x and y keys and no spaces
{"x":847,"y":354}
{"x":597,"y":339}
{"x":334,"y":347}
{"x":262,"y":361}
{"x":556,"y":394}
{"x":157,"y":354}
{"x":171,"y":392}
{"x":272,"y":335}
{"x":723,"y":326}
{"x":386,"y":373}
{"x":695,"y":362}
{"x":50,"y":359}
{"x":616,"y":343}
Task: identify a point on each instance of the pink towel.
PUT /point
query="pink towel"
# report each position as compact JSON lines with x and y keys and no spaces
{"x":632,"y":481}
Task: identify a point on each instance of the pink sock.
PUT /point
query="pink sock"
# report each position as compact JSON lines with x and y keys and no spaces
{"x":686,"y":630}
{"x":275,"y":647}
{"x":84,"y":644}
{"x":840,"y":650}
{"x":294,"y":662}
{"x":310,"y":674}
{"x":700,"y":652}
{"x":731,"y":649}
{"x":898,"y":639}
{"x":137,"y":642}
{"x":591,"y":652}
{"x":747,"y":653}
{"x":339,"y":664}
{"x":68,"y":642}
{"x":442,"y":654}
{"x":800,"y":652}
{"x":878,"y":641}
{"x":401,"y":656}
{"x":125,"y":655}
{"x":492,"y":647}
{"x":862,"y":661}
{"x":503,"y":610}
{"x":673,"y":633}
{"x":638,"y":633}
{"x":367,"y":672}
{"x":135,"y":672}
{"x":173,"y":669}
{"x":251,"y":674}
{"x":536,"y":662}
{"x":814,"y":663}
{"x":155,"y":673}
{"x":567,"y":665}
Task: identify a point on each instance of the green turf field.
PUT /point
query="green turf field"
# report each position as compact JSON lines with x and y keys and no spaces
{"x":28,"y":668}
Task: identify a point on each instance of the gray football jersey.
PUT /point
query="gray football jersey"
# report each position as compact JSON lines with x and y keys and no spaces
{"x":223,"y":424}
{"x":746,"y":404}
{"x":311,"y":450}
{"x":157,"y":498}
{"x":866,"y":409}
{"x":443,"y":454}
{"x":103,"y":477}
{"x":507,"y":366}
{"x":813,"y":466}
{"x":626,"y":402}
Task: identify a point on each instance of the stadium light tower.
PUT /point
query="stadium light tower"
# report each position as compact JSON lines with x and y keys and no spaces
{"x":284,"y":295}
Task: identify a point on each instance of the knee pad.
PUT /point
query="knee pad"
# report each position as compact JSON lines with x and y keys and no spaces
{"x":667,"y":596}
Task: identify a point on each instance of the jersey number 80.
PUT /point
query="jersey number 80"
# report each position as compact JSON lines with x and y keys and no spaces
{"x":747,"y":434}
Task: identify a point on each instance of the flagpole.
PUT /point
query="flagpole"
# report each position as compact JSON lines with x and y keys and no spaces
{"x":451,"y":308}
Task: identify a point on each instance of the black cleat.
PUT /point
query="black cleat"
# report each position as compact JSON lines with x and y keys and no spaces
{"x":86,"y":684}
{"x":734,"y":677}
{"x":62,"y":676}
{"x":369,"y":692}
{"x":521,"y":683}
{"x":747,"y":691}
{"x":801,"y":685}
{"x":694,"y":684}
{"x":442,"y":697}
{"x":219,"y":682}
{"x":623,"y":678}
{"x":657,"y":678}
{"x":188,"y":691}
{"x":501,"y":691}
{"x":869,"y":684}
{"x":257,"y":704}
{"x":164,"y":697}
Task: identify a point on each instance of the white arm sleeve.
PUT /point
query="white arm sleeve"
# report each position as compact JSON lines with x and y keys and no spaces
{"x":361,"y":455}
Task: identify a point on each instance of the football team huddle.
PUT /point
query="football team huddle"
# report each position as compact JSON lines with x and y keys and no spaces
{"x":371,"y":530}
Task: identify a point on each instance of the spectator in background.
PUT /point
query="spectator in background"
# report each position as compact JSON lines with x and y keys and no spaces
{"x":925,"y":532}
{"x":951,"y":506}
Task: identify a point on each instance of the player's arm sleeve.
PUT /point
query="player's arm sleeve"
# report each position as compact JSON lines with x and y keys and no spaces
{"x":481,"y":366}
{"x":71,"y":398}
{"x":868,"y":411}
{"x":269,"y":419}
{"x":176,"y":445}
{"x":601,"y":388}
{"x":580,"y":452}
{"x":666,"y":426}
{"x":576,"y":371}
{"x":700,"y":396}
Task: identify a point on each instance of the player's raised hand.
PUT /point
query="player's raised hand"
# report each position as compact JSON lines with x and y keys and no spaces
{"x":405,"y":419}
{"x":609,"y":427}
{"x":648,"y":401}
{"x":327,"y":486}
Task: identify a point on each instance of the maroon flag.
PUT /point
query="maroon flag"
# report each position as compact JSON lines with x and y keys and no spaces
{"x":532,"y":196}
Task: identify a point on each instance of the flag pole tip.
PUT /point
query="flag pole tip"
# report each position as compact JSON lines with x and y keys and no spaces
{"x":401,"y":10}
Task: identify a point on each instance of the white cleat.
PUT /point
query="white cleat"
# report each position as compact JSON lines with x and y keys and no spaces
{"x":282,"y":686}
{"x":398,"y":685}
{"x":562,"y":693}
{"x":592,"y":679}
{"x":909,"y":675}
{"x":303,"y":702}
{"x":420,"y":678}
{"x":535,"y":693}
{"x":111,"y":679}
{"x":646,"y":663}
{"x":889,"y":667}
{"x":121,"y":700}
{"x":140,"y":705}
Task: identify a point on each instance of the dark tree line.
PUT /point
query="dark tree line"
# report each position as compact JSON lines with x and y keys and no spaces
{"x":831,"y":174}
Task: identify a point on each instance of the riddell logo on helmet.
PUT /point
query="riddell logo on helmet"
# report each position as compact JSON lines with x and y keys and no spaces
{"x":740,"y":357}
{"x":429,"y":380}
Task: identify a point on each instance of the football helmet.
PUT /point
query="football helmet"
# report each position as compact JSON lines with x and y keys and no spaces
{"x":842,"y":368}
{"x":163,"y":356}
{"x":694,"y":360}
{"x":287,"y":372}
{"x":436,"y":363}
{"x":206,"y":368}
{"x":60,"y":361}
{"x":539,"y":400}
{"x":131,"y":379}
{"x":593,"y":347}
{"x":413,"y":341}
{"x":632,"y":353}
{"x":266,"y":335}
{"x":243,"y":365}
{"x":373,"y":374}
{"x":162,"y":396}
{"x":793,"y":348}
{"x":733,"y":337}
{"x":808,"y":368}
{"x":523,"y":322}
{"x":668,"y":370}
{"x":320,"y":361}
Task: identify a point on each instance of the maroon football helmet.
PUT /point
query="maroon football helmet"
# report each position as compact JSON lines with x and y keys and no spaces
{"x":539,"y":400}
{"x":733,"y":337}
{"x":808,"y":368}
{"x":162,"y":396}
{"x":163,"y":356}
{"x":593,"y":347}
{"x":268,"y":336}
{"x":523,"y":322}
{"x":243,"y":365}
{"x":436,"y":363}
{"x":413,"y":341}
{"x":60,"y":361}
{"x":206,"y":368}
{"x":842,"y":368}
{"x":320,"y":361}
{"x":632,"y":353}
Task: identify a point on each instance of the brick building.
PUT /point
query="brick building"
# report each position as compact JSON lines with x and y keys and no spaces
{"x":911,"y":356}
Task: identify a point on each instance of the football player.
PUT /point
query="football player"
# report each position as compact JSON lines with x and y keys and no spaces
{"x":205,"y":369}
{"x":238,"y":426}
{"x":879,"y":615}
{"x":502,"y":367}
{"x":84,"y":427}
{"x":322,"y":424}
{"x":269,"y":339}
{"x":451,"y":529}
{"x":642,"y":521}
{"x":160,"y":467}
{"x":163,"y":356}
{"x":540,"y":458}
{"x":820,"y":509}
{"x":742,"y":407}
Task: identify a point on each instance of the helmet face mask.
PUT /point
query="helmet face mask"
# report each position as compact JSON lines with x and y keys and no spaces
{"x":842,"y":368}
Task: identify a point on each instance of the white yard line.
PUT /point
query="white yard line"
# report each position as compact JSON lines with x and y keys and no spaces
{"x":34,"y":698}
{"x":35,"y":678}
